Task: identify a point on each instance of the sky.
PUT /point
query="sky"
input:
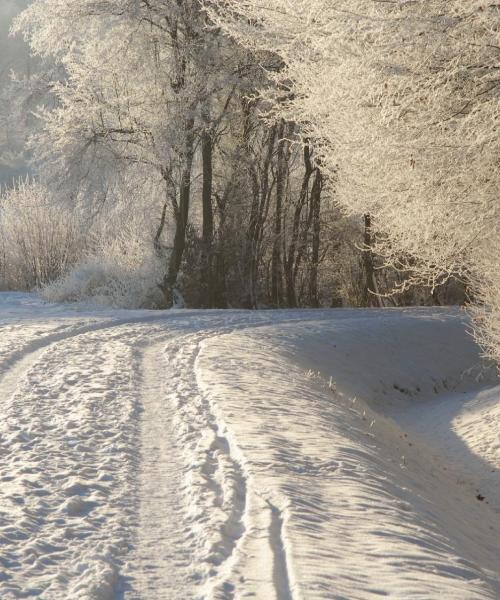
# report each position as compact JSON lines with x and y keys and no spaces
{"x":10,"y":48}
{"x":13,"y":55}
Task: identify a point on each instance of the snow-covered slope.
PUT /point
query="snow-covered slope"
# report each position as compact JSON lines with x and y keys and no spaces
{"x":364,"y":505}
{"x":289,"y":455}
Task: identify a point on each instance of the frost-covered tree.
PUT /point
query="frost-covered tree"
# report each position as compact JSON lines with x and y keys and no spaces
{"x":401,"y":98}
{"x":151,"y":104}
{"x":145,"y":85}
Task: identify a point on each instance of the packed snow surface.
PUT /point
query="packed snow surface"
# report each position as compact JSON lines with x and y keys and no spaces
{"x":347,"y":454}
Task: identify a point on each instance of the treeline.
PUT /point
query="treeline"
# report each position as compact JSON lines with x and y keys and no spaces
{"x":401,"y":98}
{"x":165,"y":176}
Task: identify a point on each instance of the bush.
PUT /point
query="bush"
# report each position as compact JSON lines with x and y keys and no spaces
{"x":39,"y":238}
{"x":123,"y":273}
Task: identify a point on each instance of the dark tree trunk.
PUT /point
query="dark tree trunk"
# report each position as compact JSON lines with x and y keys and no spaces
{"x":208,"y":276}
{"x":159,"y":231}
{"x":289,"y":263}
{"x":261,"y":191}
{"x":371,"y":288}
{"x":181,"y":221}
{"x":277,"y":260}
{"x":316,"y":238}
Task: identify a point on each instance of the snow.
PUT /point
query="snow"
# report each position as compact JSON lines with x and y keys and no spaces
{"x":231,"y":454}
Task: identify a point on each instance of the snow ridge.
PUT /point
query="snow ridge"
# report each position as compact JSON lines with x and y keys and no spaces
{"x":216,"y":486}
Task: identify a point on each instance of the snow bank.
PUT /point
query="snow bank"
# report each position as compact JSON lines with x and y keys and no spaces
{"x":223,"y":454}
{"x":359,"y":504}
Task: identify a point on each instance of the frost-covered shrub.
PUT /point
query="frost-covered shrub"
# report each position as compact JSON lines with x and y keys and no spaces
{"x":485,"y":292}
{"x":122,"y":272}
{"x":105,"y":256}
{"x":39,"y":238}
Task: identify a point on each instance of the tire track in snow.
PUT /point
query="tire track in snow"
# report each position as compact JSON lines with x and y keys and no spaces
{"x":160,"y":563}
{"x":280,"y":565}
{"x":20,"y":361}
{"x":68,"y":443}
{"x":222,"y":531}
{"x":217,"y":488}
{"x":68,"y":432}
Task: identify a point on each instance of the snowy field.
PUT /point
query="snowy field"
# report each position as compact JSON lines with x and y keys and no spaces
{"x":347,"y":454}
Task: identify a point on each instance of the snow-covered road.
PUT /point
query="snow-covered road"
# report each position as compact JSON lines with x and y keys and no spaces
{"x":272,"y":455}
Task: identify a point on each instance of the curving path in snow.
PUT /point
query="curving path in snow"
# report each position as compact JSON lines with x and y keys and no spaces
{"x":272,"y":455}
